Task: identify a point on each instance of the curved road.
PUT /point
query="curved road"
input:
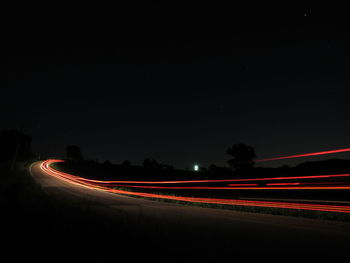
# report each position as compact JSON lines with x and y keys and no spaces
{"x":208,"y":231}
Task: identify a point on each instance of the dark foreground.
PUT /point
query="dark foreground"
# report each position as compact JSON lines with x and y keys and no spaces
{"x":46,"y":219}
{"x":105,"y":225}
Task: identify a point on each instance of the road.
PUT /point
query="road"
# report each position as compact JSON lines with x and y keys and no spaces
{"x":208,"y":231}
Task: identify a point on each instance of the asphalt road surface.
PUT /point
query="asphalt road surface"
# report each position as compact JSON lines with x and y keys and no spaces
{"x":208,"y":232}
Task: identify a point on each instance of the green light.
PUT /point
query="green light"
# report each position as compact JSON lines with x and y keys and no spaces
{"x":196,"y":167}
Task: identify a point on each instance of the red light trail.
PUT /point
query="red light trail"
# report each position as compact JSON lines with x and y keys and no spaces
{"x":94,"y":184}
{"x":231,"y":187}
{"x":303,"y":155}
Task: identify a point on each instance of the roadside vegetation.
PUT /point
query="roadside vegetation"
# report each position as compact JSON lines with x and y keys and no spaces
{"x":251,"y":209}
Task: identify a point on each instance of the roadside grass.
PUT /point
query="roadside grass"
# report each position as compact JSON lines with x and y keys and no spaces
{"x":324,"y":215}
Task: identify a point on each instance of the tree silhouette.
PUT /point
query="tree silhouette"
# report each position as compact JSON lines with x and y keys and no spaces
{"x":73,"y":153}
{"x":243,"y":156}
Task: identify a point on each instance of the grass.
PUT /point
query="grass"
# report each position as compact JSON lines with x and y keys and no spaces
{"x":251,"y":209}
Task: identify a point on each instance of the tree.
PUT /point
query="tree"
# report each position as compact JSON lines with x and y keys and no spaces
{"x":243,"y":156}
{"x":73,"y":153}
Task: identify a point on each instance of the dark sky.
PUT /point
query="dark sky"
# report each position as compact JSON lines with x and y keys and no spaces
{"x":176,"y":82}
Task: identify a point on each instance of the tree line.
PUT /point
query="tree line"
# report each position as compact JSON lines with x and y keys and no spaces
{"x":15,"y":145}
{"x":242,"y":157}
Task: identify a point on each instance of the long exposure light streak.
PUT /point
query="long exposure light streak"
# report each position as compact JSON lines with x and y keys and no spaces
{"x":229,"y":187}
{"x":45,"y":166}
{"x":220,"y":181}
{"x":303,"y":155}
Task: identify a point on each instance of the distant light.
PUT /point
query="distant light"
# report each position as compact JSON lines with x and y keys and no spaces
{"x":196,"y":167}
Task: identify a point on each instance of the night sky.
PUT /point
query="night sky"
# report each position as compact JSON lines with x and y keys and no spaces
{"x":176,"y":82}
